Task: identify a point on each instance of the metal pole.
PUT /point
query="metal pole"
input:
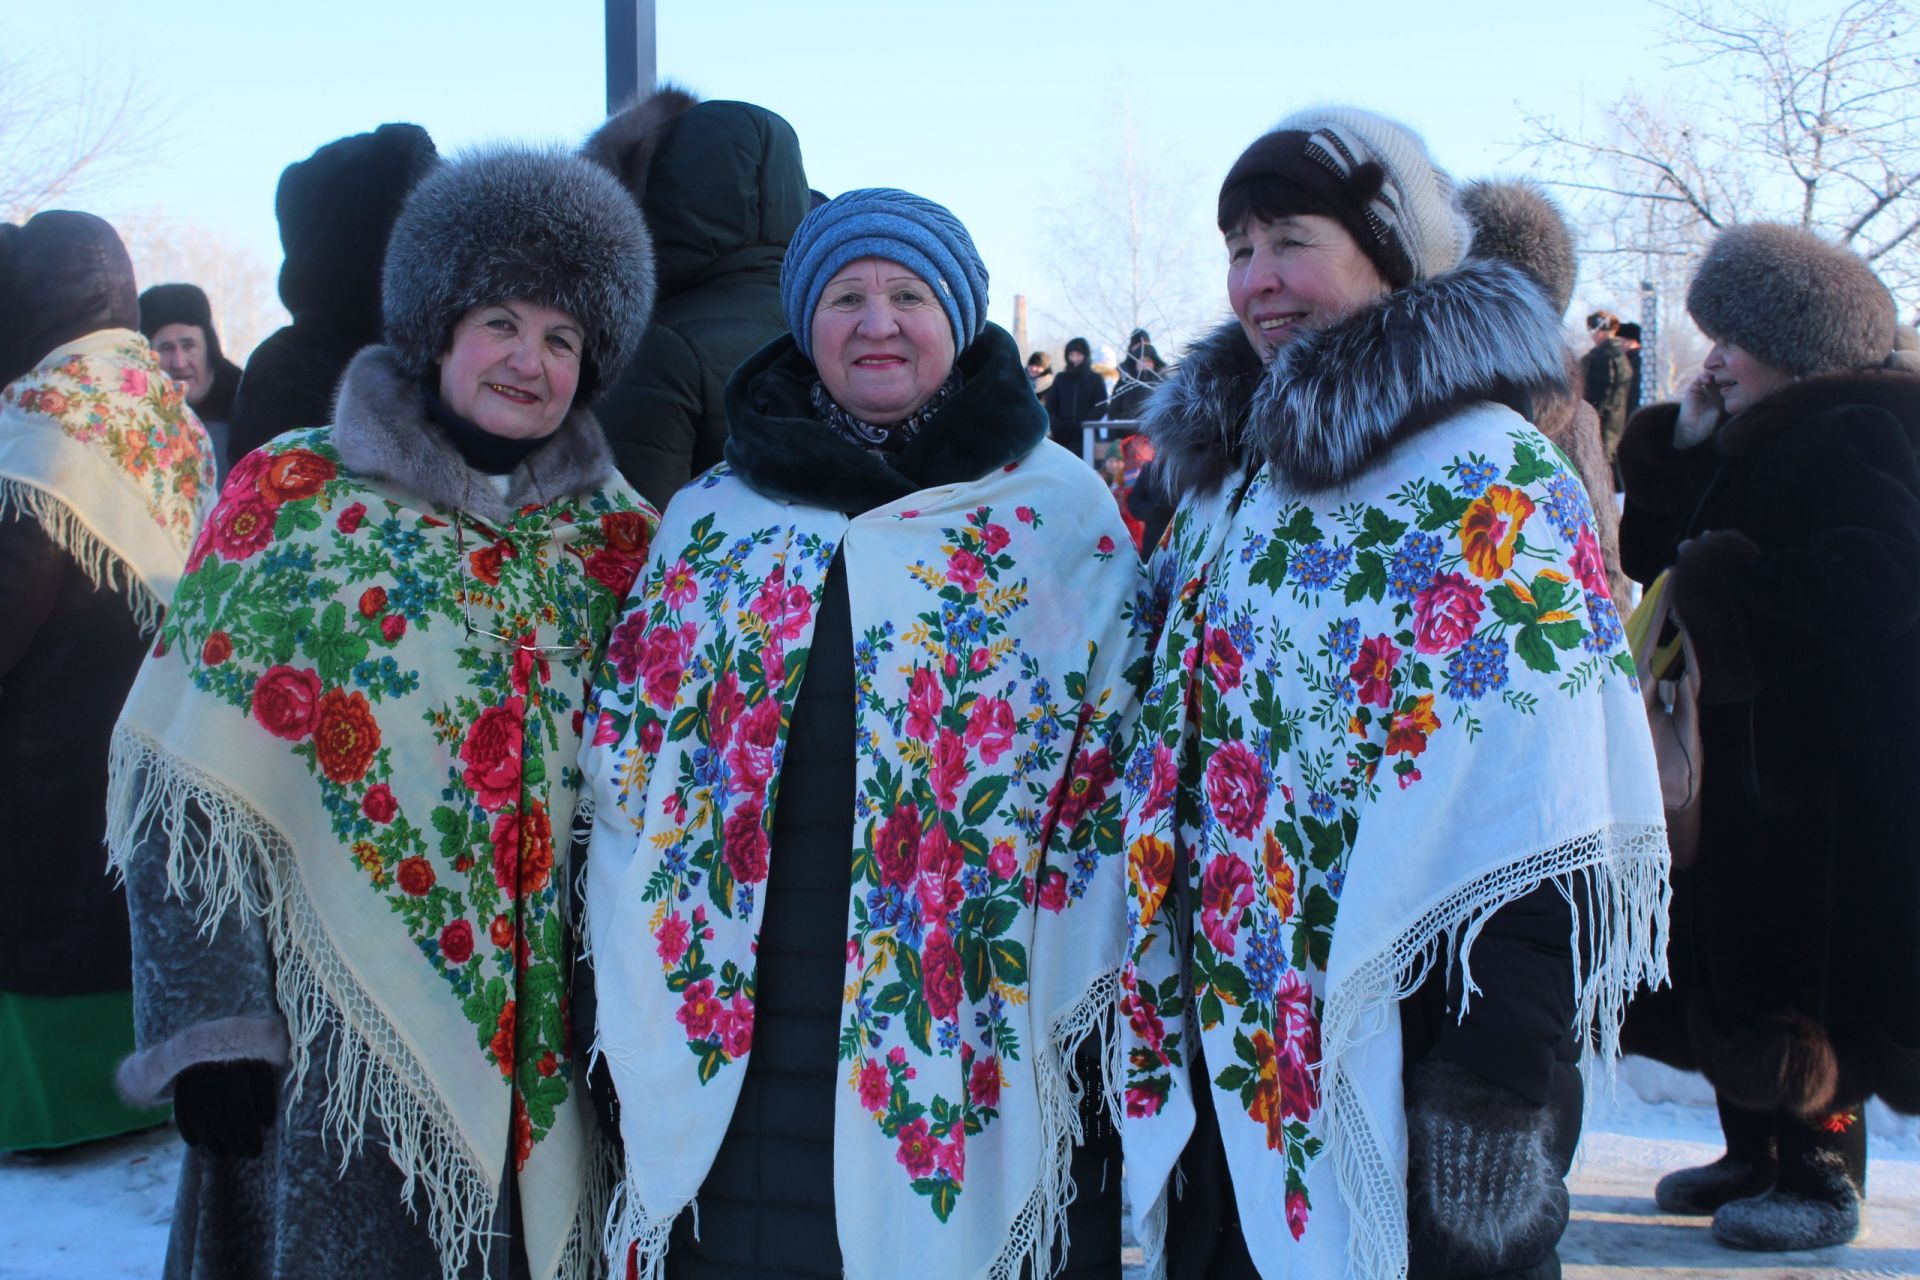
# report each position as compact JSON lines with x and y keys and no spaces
{"x":631,"y":61}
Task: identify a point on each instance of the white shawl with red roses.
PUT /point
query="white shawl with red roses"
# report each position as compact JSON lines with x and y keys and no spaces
{"x":987,"y":924}
{"x":375,"y":702}
{"x":1376,"y":715}
{"x":100,"y":448}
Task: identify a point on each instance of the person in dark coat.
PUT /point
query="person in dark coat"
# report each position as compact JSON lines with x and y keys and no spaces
{"x":335,"y":208}
{"x":94,"y":443}
{"x":1608,"y":378}
{"x":1781,"y":498}
{"x":1075,"y":397}
{"x":1629,"y":336}
{"x":841,"y":1113}
{"x":177,"y":320}
{"x":1140,"y":373}
{"x":722,"y":187}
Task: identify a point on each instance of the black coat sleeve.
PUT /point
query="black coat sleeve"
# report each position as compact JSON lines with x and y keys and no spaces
{"x":1663,"y":486}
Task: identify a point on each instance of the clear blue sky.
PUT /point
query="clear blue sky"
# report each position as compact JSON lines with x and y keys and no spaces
{"x":989,"y":106}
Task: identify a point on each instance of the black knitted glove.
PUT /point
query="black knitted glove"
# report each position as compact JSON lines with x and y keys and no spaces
{"x":224,"y":1107}
{"x":1483,"y":1192}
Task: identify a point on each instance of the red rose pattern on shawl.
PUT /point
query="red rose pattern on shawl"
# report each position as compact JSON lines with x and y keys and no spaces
{"x":1465,"y":582}
{"x":313,"y":615}
{"x":955,"y":841}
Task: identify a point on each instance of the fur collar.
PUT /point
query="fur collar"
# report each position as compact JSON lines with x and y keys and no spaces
{"x":781,"y":451}
{"x":1334,"y":403}
{"x":381,"y":430}
{"x":1895,"y":393}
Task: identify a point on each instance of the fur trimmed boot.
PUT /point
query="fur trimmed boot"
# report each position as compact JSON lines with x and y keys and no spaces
{"x":1749,"y":1167}
{"x":1816,"y":1202}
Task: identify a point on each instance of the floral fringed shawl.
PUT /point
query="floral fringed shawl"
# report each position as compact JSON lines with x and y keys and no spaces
{"x":987,"y":920}
{"x":376,"y":704}
{"x":99,"y":446}
{"x":1375,"y":716}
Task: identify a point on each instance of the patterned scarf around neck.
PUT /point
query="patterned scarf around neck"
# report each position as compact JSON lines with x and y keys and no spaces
{"x":890,"y":438}
{"x":986,"y":923}
{"x":98,"y":445}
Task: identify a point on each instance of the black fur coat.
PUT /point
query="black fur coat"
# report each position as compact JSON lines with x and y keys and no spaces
{"x":1794,"y":539}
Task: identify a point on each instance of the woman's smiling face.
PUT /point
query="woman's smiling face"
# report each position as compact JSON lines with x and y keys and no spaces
{"x":881,"y":340}
{"x":511,"y":368}
{"x":1294,"y":275}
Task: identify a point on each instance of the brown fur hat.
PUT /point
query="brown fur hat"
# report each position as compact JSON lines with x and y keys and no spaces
{"x":1516,"y":221}
{"x":1792,"y":300}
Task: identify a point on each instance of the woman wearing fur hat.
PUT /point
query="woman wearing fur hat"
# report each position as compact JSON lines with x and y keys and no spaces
{"x":105,"y":476}
{"x":342,"y":785}
{"x":1782,"y":498}
{"x":1390,"y":721}
{"x":854,"y":884}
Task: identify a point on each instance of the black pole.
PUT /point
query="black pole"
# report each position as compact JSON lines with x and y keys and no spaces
{"x":630,"y":51}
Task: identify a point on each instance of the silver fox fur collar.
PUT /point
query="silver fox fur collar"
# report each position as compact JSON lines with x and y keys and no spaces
{"x":1333,"y":403}
{"x":381,"y":430}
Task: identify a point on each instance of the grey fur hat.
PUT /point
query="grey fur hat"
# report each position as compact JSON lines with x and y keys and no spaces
{"x":1517,"y":222}
{"x":1792,"y":300}
{"x":514,"y":222}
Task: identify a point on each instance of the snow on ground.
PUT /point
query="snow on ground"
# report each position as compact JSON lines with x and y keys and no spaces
{"x":104,"y":1209}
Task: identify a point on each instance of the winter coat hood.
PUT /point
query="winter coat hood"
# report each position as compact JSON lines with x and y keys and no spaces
{"x":721,"y":183}
{"x":1335,"y":402}
{"x":71,"y":276}
{"x":335,"y":210}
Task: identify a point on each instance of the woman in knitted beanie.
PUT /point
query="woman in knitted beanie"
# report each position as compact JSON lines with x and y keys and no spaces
{"x":1391,"y":748}
{"x":855,"y":880}
{"x":343,"y":783}
{"x":1782,"y":499}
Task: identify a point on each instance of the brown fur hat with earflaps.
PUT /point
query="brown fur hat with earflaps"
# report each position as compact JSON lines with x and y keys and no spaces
{"x":1793,"y":300}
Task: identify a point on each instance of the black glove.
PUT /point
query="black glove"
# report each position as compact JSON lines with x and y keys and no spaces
{"x":1484,"y":1192}
{"x":224,"y":1107}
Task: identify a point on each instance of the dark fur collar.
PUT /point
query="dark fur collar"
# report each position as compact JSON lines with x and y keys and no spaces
{"x":1897,"y":393}
{"x":1335,"y":402}
{"x":782,"y":452}
{"x":381,"y":430}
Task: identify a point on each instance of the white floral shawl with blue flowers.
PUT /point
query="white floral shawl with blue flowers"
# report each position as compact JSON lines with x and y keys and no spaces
{"x":1376,"y":715}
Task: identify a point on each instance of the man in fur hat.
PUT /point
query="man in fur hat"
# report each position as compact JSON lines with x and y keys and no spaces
{"x":177,"y":320}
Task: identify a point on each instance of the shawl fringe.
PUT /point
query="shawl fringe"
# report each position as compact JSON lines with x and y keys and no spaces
{"x":67,"y":529}
{"x":223,"y":854}
{"x":1615,"y":877}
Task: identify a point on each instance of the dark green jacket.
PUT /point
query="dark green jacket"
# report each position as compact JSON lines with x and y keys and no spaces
{"x":722,"y":188}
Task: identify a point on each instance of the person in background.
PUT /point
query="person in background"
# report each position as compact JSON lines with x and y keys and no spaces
{"x":1396,"y":849}
{"x":1629,"y":335}
{"x":1040,"y":372}
{"x":1075,"y":397}
{"x":722,"y":187}
{"x":105,"y":478}
{"x":336,"y":209}
{"x":342,"y":785}
{"x":1140,"y":373}
{"x":1781,"y":500}
{"x":854,"y":881}
{"x":1607,"y":380}
{"x":177,"y":321}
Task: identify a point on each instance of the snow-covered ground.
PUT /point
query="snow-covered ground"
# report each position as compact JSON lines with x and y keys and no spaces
{"x":103,"y":1210}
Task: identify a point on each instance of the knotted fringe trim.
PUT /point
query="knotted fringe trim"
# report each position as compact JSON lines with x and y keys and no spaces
{"x":1617,"y":876}
{"x":1039,"y":1230}
{"x":234,"y":859}
{"x":583,"y":1257}
{"x":102,"y":565}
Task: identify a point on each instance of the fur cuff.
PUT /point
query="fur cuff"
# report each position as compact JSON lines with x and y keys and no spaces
{"x":1708,"y":601}
{"x":1781,"y":1062}
{"x":1483,"y":1192}
{"x":145,"y":1078}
